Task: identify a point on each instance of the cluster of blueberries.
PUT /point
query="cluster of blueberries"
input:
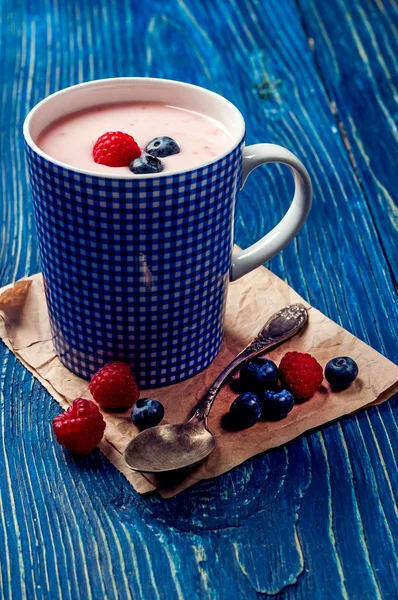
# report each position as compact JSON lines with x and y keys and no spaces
{"x":158,"y":148}
{"x":261,"y":398}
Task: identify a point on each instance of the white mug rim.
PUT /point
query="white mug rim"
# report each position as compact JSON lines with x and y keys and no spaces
{"x":237,"y":139}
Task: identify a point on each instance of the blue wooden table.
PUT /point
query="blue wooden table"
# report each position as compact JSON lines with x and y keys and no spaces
{"x":316,"y":519}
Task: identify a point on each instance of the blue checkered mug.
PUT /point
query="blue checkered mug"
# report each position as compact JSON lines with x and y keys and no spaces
{"x":136,"y":267}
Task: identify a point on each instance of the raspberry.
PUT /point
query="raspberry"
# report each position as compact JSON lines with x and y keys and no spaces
{"x":301,"y":373}
{"x":114,"y":386}
{"x":115,"y":149}
{"x":80,"y":428}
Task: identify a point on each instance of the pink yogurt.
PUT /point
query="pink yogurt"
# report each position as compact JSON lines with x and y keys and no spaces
{"x":71,"y":139}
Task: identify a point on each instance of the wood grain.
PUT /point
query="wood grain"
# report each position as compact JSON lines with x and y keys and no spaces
{"x":362,"y":87}
{"x":318,"y":518}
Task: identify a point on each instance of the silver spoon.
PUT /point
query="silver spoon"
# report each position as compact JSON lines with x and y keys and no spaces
{"x":171,"y":447}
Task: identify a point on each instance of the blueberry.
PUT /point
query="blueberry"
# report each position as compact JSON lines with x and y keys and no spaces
{"x":276,"y":405}
{"x":147,"y":413}
{"x":341,"y":371}
{"x":162,"y":146}
{"x":258,"y":374}
{"x":146,"y":164}
{"x":245,"y":410}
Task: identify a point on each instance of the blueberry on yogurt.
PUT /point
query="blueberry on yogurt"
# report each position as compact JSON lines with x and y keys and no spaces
{"x":146,"y":164}
{"x":162,"y":147}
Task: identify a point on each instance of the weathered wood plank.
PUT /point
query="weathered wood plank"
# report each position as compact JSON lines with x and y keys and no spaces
{"x":361,"y":79}
{"x":312,"y":520}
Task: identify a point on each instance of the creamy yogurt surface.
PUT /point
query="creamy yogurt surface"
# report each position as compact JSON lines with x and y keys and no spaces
{"x":71,"y":138}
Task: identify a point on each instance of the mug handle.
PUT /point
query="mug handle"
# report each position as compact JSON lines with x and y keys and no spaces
{"x":279,"y":237}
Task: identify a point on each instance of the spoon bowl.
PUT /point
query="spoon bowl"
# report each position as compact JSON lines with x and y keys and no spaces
{"x":170,"y":447}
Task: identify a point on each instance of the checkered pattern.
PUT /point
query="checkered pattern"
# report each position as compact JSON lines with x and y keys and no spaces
{"x":136,"y":270}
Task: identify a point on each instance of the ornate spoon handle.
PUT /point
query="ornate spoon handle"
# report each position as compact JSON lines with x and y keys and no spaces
{"x":283,"y":325}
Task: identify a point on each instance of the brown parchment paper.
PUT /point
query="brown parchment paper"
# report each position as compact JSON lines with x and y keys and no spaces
{"x":251,"y":300}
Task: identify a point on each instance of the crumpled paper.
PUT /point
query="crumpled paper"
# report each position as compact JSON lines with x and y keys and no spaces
{"x":14,"y":297}
{"x":24,"y":327}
